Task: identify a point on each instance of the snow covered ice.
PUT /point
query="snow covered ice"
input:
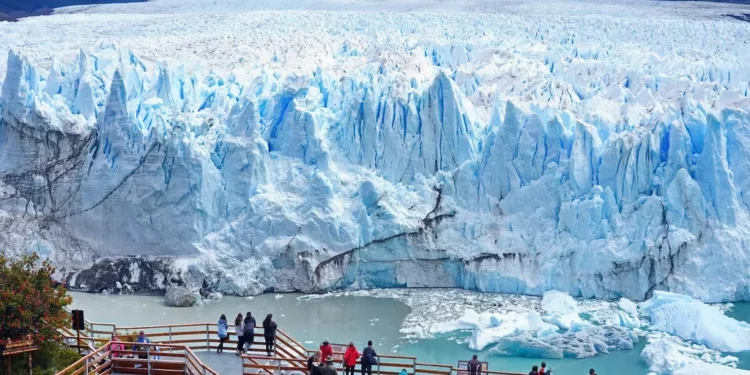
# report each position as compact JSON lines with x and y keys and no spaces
{"x":254,"y":149}
{"x":695,"y":321}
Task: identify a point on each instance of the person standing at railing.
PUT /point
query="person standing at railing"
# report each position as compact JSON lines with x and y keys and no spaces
{"x":328,"y":369}
{"x":269,"y":333}
{"x":369,"y":358}
{"x":239,"y":329}
{"x":223,"y":330}
{"x":326,"y":350}
{"x":116,"y":346}
{"x":350,"y":359}
{"x":313,"y":367}
{"x":474,"y":366}
{"x":249,"y":331}
{"x":142,"y":339}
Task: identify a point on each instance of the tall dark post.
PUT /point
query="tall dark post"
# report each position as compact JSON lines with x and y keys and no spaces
{"x":30,"y":365}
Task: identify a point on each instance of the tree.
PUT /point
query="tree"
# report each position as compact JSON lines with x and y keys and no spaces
{"x":31,"y":302}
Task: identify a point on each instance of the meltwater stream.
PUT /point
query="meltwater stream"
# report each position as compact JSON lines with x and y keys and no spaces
{"x":340,"y":319}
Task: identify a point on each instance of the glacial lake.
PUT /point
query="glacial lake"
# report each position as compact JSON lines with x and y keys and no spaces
{"x":347,"y":318}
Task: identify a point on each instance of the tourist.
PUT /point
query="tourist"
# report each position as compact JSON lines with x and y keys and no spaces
{"x":223,"y":329}
{"x":543,"y":370}
{"x":313,"y":367}
{"x":116,"y":346}
{"x":350,"y":359}
{"x":474,"y":366}
{"x":239,"y":329}
{"x":592,"y":372}
{"x":142,"y":339}
{"x":369,"y":358}
{"x":326,"y":350}
{"x":269,"y":333}
{"x":328,"y":369}
{"x":534,"y":370}
{"x":249,"y":331}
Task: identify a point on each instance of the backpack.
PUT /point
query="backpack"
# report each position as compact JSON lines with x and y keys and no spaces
{"x":370,"y":357}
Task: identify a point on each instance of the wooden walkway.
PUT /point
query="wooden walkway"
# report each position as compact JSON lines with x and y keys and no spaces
{"x":190,"y":349}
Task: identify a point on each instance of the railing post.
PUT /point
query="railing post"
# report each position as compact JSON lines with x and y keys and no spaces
{"x":208,"y":342}
{"x":184,"y":356}
{"x":414,"y":366}
{"x":378,"y":365}
{"x":148,"y":360}
{"x":170,"y":338}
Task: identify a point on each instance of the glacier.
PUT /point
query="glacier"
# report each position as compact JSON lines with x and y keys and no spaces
{"x":495,"y":152}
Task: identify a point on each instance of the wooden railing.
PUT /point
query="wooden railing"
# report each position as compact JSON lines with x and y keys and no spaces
{"x":388,"y":364}
{"x":156,"y":359}
{"x":176,"y":342}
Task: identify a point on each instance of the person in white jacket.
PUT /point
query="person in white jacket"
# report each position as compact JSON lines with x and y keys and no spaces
{"x":238,"y":329}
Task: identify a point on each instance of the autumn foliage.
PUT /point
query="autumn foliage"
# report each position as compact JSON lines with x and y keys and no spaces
{"x":30,"y":301}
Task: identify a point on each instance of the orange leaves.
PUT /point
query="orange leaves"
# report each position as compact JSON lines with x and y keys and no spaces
{"x":30,"y":302}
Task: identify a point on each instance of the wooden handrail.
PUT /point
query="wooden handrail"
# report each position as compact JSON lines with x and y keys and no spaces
{"x":83,"y":360}
{"x":287,"y":350}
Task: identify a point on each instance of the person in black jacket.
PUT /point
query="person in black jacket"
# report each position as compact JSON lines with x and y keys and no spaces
{"x":474,"y":366}
{"x":313,"y":367}
{"x":249,"y":331}
{"x":369,"y":358}
{"x":269,"y":333}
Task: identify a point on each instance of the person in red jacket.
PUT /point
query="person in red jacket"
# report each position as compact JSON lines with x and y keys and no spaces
{"x":350,"y":359}
{"x":326,"y":350}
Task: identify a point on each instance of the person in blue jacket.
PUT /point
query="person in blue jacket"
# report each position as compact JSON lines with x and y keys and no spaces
{"x":142,"y":339}
{"x":223,"y":333}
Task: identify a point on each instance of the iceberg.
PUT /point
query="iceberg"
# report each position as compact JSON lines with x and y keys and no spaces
{"x":668,"y":355}
{"x":560,"y":309}
{"x":583,"y":343}
{"x":692,"y":320}
{"x":496,"y":153}
{"x":709,"y":369}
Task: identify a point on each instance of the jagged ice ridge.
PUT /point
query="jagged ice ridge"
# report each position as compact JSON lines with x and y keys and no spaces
{"x":545,"y":159}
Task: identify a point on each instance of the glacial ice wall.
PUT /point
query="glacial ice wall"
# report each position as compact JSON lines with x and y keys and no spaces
{"x":459,"y":165}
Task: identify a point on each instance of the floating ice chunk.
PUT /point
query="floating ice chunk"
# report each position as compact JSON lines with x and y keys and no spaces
{"x":526,"y":346}
{"x":560,"y":309}
{"x":278,"y":296}
{"x":695,"y":321}
{"x":511,"y":324}
{"x":666,"y":354}
{"x":470,"y":320}
{"x":628,"y":313}
{"x":663,"y":357}
{"x":588,"y":342}
{"x":708,"y":369}
{"x":557,"y":302}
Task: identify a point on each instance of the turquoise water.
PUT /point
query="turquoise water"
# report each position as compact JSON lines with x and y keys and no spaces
{"x":357,"y":319}
{"x":741,"y":311}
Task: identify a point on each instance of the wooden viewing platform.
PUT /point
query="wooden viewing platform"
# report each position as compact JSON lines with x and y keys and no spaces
{"x":189,"y":349}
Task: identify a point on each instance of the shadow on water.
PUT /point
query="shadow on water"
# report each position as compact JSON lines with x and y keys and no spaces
{"x":12,"y":10}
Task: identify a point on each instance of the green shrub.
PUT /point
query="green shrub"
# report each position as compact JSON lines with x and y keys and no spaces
{"x":48,"y":360}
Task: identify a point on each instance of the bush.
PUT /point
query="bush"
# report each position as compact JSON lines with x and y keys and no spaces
{"x":31,"y":302}
{"x":48,"y":360}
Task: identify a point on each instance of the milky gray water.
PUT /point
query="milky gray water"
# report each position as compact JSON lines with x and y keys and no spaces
{"x":346,"y":318}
